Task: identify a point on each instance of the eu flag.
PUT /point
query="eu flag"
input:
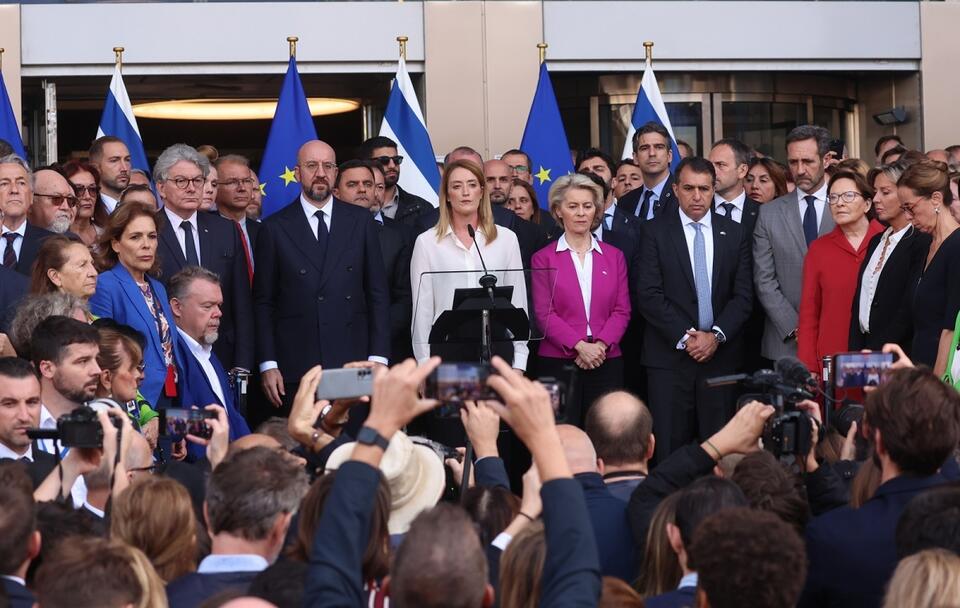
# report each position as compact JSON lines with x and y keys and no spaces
{"x":291,"y":128}
{"x":544,"y":139}
{"x":9,"y":125}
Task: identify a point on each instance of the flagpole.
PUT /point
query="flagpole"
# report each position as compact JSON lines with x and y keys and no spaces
{"x":1,"y":57}
{"x":118,"y":57}
{"x":293,"y":45}
{"x":648,"y":51}
{"x":542,"y":47}
{"x":402,"y":40}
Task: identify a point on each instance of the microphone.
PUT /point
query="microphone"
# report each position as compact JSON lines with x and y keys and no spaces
{"x":487,"y":281}
{"x":793,"y":371}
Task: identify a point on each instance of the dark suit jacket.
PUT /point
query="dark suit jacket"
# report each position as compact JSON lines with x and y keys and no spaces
{"x":668,"y":296}
{"x":748,"y":218}
{"x":13,"y":286}
{"x":631,"y":200}
{"x":308,"y":312}
{"x":32,"y":238}
{"x":18,"y":596}
{"x":891,"y":313}
{"x":624,"y":223}
{"x":42,"y":465}
{"x":191,"y":590}
{"x":409,"y":207}
{"x":852,"y":552}
{"x":396,"y":244}
{"x":684,"y":597}
{"x":608,"y":516}
{"x":220,"y":252}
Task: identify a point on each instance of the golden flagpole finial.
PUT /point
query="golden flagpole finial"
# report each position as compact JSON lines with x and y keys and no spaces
{"x":403,"y":46}
{"x":118,"y":56}
{"x":542,"y":46}
{"x":648,"y":50}
{"x":293,"y":45}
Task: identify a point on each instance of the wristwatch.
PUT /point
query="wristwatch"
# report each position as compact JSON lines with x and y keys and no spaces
{"x":719,"y":336}
{"x":368,"y":436}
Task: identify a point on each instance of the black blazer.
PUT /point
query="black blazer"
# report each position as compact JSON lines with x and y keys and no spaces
{"x":891,"y":316}
{"x":17,"y":595}
{"x":330,"y":312}
{"x":668,"y":296}
{"x":220,"y":252}
{"x":13,"y":286}
{"x":748,"y":219}
{"x":409,"y":207}
{"x":396,"y":244}
{"x":32,"y":238}
{"x":632,"y":199}
{"x":624,"y":223}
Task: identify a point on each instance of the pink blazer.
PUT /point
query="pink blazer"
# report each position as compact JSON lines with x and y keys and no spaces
{"x":563,"y":321}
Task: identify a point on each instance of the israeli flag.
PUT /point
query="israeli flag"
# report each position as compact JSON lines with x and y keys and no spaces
{"x":649,"y":107}
{"x":403,"y":123}
{"x":118,"y":120}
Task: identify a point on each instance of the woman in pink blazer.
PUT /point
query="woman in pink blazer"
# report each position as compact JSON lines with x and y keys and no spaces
{"x":583,"y":307}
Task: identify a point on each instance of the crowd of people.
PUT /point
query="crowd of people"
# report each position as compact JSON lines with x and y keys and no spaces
{"x":127,"y":297}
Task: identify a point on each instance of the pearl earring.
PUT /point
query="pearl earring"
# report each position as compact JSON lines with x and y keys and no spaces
{"x":936,"y":210}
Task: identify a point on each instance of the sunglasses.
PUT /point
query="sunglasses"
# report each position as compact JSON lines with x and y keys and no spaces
{"x":385,"y":160}
{"x":79,"y":189}
{"x":58,"y":199}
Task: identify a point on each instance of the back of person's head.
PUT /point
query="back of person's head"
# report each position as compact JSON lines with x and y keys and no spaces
{"x":769,"y":486}
{"x":440,"y":563}
{"x":927,"y":178}
{"x":37,"y":308}
{"x":98,"y":573}
{"x":492,"y":509}
{"x":54,"y":334}
{"x":748,"y":558}
{"x":13,"y":473}
{"x":57,"y":522}
{"x":276,"y":427}
{"x":621,"y":429}
{"x":156,"y":516}
{"x":18,"y":525}
{"x":281,"y":584}
{"x":928,"y":579}
{"x":521,"y":568}
{"x":702,"y":498}
{"x":249,"y":490}
{"x":914,"y":418}
{"x":931,"y":520}
{"x":616,"y":593}
{"x":376,"y":557}
{"x":660,"y":570}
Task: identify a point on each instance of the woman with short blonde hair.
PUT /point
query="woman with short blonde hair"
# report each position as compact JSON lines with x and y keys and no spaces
{"x":928,"y":579}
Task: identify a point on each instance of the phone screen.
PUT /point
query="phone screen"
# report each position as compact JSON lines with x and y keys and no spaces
{"x":454,"y":383}
{"x":856,"y":370}
{"x":180,"y":422}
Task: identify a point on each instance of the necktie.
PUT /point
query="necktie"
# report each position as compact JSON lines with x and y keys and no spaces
{"x":810,"y":219}
{"x":727,"y":209}
{"x":192,"y":258}
{"x":702,"y":279}
{"x":9,"y":255}
{"x":645,"y":206}
{"x":246,"y":252}
{"x":608,"y":221}
{"x":322,"y":232}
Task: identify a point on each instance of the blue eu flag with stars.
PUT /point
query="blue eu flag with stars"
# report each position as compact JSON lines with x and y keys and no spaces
{"x":291,"y":128}
{"x":9,"y":125}
{"x":544,"y":139}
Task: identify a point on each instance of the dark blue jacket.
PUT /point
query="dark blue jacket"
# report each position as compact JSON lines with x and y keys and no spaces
{"x":490,"y":472}
{"x":191,"y":590}
{"x":852,"y":552}
{"x":13,"y":286}
{"x":18,"y":596}
{"x":684,"y":597}
{"x":608,"y":515}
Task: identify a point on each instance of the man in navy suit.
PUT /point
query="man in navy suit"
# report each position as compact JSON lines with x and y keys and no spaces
{"x":251,"y":498}
{"x":19,"y":239}
{"x":320,"y":292}
{"x":236,"y":185}
{"x":13,"y":286}
{"x":653,"y":154}
{"x":189,"y":238}
{"x":852,"y":552}
{"x":19,"y":411}
{"x":696,"y":293}
{"x":19,"y":544}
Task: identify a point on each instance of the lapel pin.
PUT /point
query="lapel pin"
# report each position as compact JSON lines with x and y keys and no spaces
{"x":722,"y":233}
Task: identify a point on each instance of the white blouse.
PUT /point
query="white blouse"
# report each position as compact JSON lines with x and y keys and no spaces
{"x":433,"y":294}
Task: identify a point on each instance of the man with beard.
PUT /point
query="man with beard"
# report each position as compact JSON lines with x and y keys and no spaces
{"x":497,"y":175}
{"x":19,"y":239}
{"x":54,"y":204}
{"x":196,"y":300}
{"x":320,"y":291}
{"x":398,"y":204}
{"x":111,"y":157}
{"x":64,"y":351}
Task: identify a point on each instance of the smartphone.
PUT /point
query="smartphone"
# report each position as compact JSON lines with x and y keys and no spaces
{"x":454,"y":383}
{"x":856,"y":370}
{"x":344,"y":383}
{"x":836,"y":146}
{"x":558,"y":397}
{"x":177,"y":423}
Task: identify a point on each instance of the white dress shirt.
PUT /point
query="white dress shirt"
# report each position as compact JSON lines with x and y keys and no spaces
{"x":246,"y":235}
{"x":690,"y":233}
{"x":819,"y":204}
{"x":736,"y":214}
{"x":872,"y":271}
{"x":202,"y":353}
{"x":17,"y":242}
{"x":79,"y":490}
{"x":6,"y":452}
{"x":584,"y":271}
{"x":657,"y":195}
{"x":389,"y":208}
{"x":608,"y":215}
{"x":213,"y":564}
{"x":459,"y":267}
{"x":109,"y":202}
{"x":175,"y":221}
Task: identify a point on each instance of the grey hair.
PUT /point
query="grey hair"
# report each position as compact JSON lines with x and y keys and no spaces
{"x":576,"y":180}
{"x":175,"y":154}
{"x":818,"y":134}
{"x":250,"y":489}
{"x":893,"y":171}
{"x":179,"y":284}
{"x":16,"y":159}
{"x":35,"y":309}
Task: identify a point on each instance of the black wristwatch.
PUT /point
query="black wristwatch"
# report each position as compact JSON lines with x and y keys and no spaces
{"x":719,"y":336}
{"x":368,"y":436}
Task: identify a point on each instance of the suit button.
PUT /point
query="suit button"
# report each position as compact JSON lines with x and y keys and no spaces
{"x":303,"y":271}
{"x":348,"y":298}
{"x":320,"y":299}
{"x":349,"y":268}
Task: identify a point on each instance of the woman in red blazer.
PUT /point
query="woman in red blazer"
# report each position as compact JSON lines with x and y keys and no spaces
{"x":583,"y":307}
{"x":830,"y":270}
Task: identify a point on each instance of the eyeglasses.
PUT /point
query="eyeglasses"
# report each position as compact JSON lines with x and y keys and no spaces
{"x":312,"y":166}
{"x":847,"y":197}
{"x":141,"y":367}
{"x":182,"y":182}
{"x":248,"y":182}
{"x":909,"y":206}
{"x":79,"y":189}
{"x":58,"y":199}
{"x":385,"y":160}
{"x":519,"y":168}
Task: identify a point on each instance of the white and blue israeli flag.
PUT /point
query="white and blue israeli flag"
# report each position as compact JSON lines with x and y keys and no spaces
{"x":118,"y":120}
{"x":649,"y":107}
{"x":403,"y":123}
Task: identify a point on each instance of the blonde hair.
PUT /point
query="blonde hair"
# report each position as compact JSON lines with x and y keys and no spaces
{"x":660,"y":571}
{"x":928,"y":579}
{"x":521,"y":568}
{"x":566,"y":183}
{"x":485,"y":222}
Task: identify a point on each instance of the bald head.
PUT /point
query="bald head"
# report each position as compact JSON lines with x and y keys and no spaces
{"x":578,"y":449}
{"x":51,"y":188}
{"x":464,"y":153}
{"x":316,"y":170}
{"x":621,"y":429}
{"x":139,"y":454}
{"x":254,"y":440}
{"x":939,"y":155}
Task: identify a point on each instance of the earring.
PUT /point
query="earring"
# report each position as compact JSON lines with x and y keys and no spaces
{"x":936,"y":210}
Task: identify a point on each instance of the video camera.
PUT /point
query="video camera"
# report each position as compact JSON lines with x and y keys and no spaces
{"x":81,"y":427}
{"x":788,"y":431}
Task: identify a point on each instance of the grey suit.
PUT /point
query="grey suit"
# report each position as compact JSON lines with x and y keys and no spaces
{"x":778,"y":252}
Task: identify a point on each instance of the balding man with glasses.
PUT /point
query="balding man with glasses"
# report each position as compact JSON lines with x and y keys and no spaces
{"x":54,"y":203}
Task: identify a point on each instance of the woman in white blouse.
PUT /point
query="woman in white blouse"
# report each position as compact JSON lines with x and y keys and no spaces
{"x":448,"y":248}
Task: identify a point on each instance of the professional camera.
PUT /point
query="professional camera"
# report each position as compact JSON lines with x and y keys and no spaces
{"x":789,"y":430}
{"x":79,"y":428}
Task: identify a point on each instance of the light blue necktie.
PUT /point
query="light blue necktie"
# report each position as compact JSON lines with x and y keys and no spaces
{"x":608,"y":221}
{"x":702,"y":279}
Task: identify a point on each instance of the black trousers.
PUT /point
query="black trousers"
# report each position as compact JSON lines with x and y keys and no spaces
{"x":586,"y":385}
